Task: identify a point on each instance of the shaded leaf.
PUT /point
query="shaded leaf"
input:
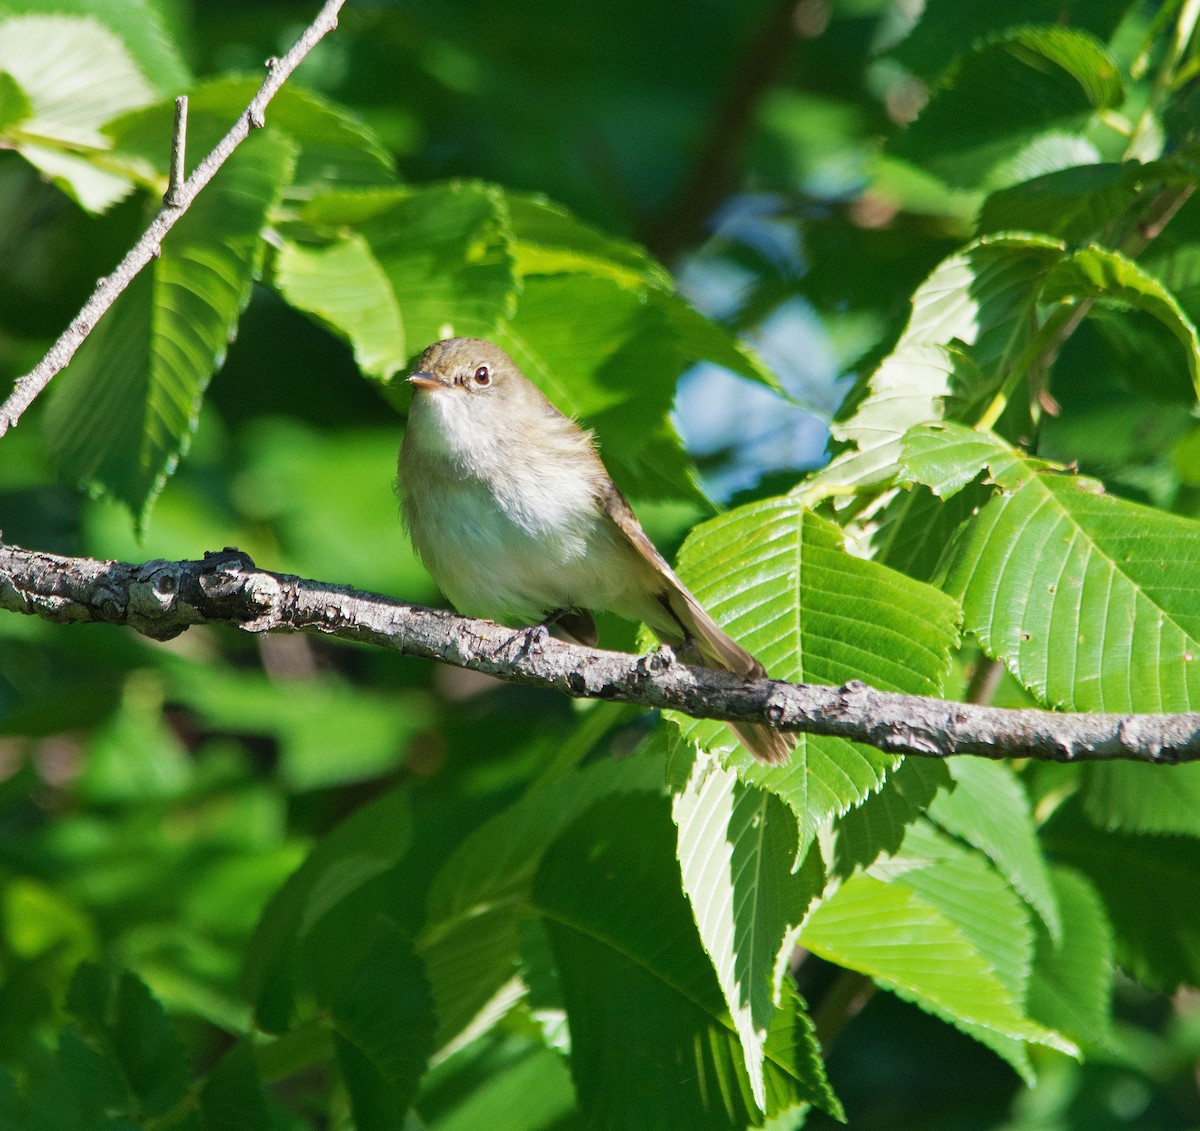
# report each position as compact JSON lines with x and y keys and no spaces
{"x":1150,"y":886}
{"x":127,"y":1028}
{"x":1143,"y":799}
{"x":144,"y":369}
{"x":356,"y":852}
{"x":1070,"y":987}
{"x":645,"y":1009}
{"x":232,"y":1098}
{"x":988,"y":808}
{"x":1017,"y":85}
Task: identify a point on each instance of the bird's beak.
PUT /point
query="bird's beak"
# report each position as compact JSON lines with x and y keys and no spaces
{"x":427,"y":381}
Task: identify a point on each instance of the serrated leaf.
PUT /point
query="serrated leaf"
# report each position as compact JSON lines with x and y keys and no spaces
{"x":972,"y":895}
{"x":75,"y":75}
{"x":343,"y":286}
{"x":549,"y":240}
{"x":944,"y":22}
{"x":127,"y":1027}
{"x":1100,"y":275}
{"x":970,"y":319}
{"x":122,"y":414}
{"x":1150,"y":886}
{"x":445,"y":251}
{"x":877,"y":827}
{"x":736,"y":847}
{"x":1017,"y":85}
{"x":779,"y":580}
{"x":1090,"y":600}
{"x":606,"y":355}
{"x":1143,"y":799}
{"x":902,"y":939}
{"x":1070,"y":987}
{"x":652,"y":1043}
{"x":988,"y":808}
{"x":1073,"y":204}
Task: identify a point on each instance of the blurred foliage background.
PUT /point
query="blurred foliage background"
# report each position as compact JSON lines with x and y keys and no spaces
{"x":154,"y":799}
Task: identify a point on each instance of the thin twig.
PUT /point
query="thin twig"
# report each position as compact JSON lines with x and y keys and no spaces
{"x":174,"y":194}
{"x":161,"y":599}
{"x":28,"y":387}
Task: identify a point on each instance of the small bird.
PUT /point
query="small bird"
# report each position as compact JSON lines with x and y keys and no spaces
{"x":512,"y":511}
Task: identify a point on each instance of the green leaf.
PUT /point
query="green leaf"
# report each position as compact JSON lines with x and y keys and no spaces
{"x":652,"y":1044}
{"x":124,"y":1025}
{"x":75,"y":75}
{"x":471,"y":940}
{"x":14,"y":105}
{"x":232,"y":1097}
{"x":138,"y":24}
{"x":877,"y":827}
{"x":549,"y":240}
{"x":948,"y":22}
{"x":372,"y":986}
{"x":1070,"y":987}
{"x":1089,"y":600}
{"x":358,"y":851}
{"x":1108,"y":277}
{"x":988,"y":808}
{"x":970,"y":319}
{"x":1150,"y":886}
{"x":736,"y":847}
{"x":778,"y":579}
{"x":503,"y":1083}
{"x":939,"y":928}
{"x":144,"y":369}
{"x":333,"y":148}
{"x":1020,"y":84}
{"x":605,"y":354}
{"x":1074,"y":204}
{"x":343,"y":285}
{"x":444,"y":251}
{"x":1123,"y":795}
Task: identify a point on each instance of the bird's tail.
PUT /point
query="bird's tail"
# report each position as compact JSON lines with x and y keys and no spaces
{"x":717,"y":649}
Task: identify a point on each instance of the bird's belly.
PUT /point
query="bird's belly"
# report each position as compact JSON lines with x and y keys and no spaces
{"x":556,"y":551}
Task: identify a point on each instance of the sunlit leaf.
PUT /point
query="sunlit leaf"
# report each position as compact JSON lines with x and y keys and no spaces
{"x":736,"y":847}
{"x":1090,"y":600}
{"x":778,"y":579}
{"x":343,"y":285}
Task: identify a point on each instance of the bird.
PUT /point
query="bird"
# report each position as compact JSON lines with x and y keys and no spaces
{"x":512,"y":511}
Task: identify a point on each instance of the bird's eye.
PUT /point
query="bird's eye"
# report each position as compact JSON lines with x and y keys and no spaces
{"x":482,"y":377}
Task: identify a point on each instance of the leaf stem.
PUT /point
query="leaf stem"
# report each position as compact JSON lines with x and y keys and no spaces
{"x":1041,"y":349}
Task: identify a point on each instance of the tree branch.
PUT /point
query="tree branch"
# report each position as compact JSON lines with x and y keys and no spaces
{"x":160,"y":599}
{"x":28,"y":387}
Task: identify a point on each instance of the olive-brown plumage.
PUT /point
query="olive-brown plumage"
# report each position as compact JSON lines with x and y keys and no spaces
{"x":512,"y":511}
